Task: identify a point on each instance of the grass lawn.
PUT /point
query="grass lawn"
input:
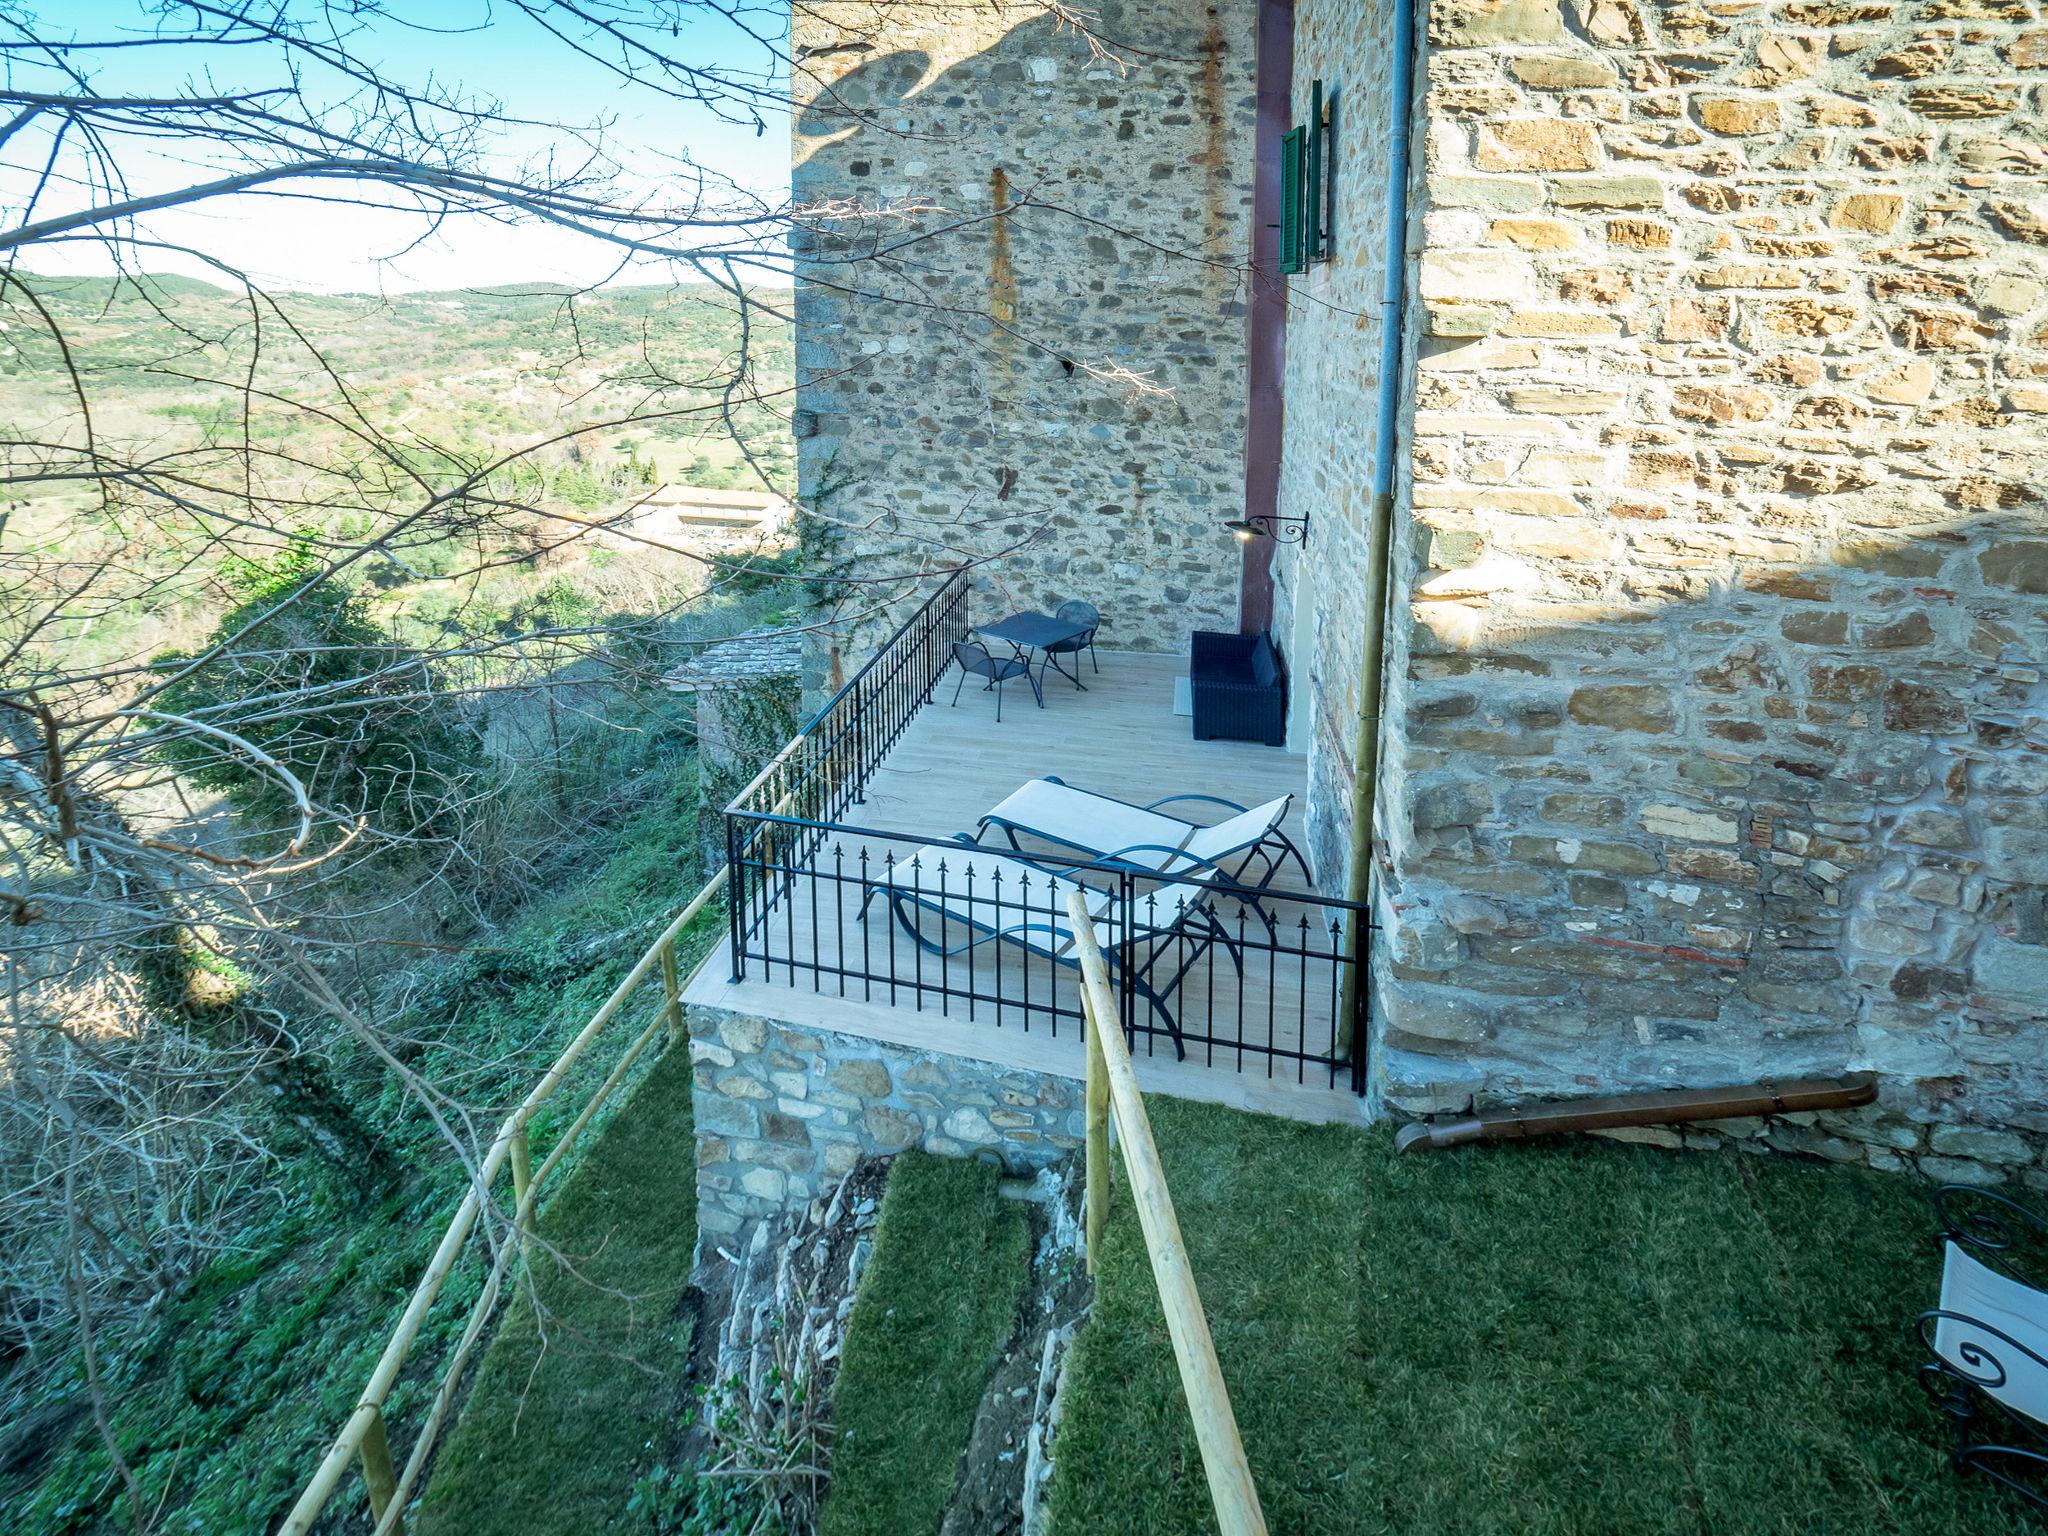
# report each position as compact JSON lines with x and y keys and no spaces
{"x":226,"y":1407}
{"x":935,"y":1307}
{"x":558,"y":1422}
{"x":1578,"y":1337}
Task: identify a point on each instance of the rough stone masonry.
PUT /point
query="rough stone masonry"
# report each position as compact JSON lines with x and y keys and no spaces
{"x":782,"y":1114}
{"x":1719,"y":740}
{"x":1020,"y":315}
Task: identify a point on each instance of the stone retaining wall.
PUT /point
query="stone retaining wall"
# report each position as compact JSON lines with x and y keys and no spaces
{"x":783,"y":1113}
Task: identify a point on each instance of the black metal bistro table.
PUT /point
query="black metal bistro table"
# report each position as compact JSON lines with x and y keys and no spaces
{"x":1034,"y":631}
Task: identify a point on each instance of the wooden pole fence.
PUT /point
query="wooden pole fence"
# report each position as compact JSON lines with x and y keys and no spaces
{"x":363,"y":1437}
{"x":1231,"y":1488}
{"x":1095,"y":1206}
{"x":377,"y":1474}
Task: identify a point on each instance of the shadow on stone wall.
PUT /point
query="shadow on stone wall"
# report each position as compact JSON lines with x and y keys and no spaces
{"x":1764,"y":817}
{"x":1045,"y":369}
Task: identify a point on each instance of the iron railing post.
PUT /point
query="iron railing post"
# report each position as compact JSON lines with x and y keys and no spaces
{"x":735,"y":894}
{"x":1127,"y":990}
{"x":1360,"y":998}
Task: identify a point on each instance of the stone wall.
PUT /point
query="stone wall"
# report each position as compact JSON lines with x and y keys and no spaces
{"x":782,"y":1113}
{"x":1718,"y":737}
{"x":1720,"y":741}
{"x":1333,"y":354}
{"x":1061,"y":383}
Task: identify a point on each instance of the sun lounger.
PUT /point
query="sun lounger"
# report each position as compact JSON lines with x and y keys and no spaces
{"x":1142,"y":837}
{"x":1000,"y":899}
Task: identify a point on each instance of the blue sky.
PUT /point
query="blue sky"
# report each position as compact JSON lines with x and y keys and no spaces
{"x":484,"y":47}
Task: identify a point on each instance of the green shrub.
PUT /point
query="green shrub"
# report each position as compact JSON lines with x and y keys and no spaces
{"x":304,"y":674}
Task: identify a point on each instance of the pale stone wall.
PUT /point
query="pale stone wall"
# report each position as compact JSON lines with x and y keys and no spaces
{"x":782,"y":1113}
{"x":1720,"y":737}
{"x":959,"y":394}
{"x":1333,"y":351}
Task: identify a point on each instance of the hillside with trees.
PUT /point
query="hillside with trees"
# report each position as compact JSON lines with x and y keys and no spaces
{"x":289,"y":958}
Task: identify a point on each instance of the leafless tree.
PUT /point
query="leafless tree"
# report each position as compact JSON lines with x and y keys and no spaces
{"x":177,"y":975}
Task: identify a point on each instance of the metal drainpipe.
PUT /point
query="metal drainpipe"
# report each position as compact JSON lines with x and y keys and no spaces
{"x":1366,"y":751}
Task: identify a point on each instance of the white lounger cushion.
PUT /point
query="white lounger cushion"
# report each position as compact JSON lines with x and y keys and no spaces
{"x":2018,"y":1311}
{"x":969,"y":889}
{"x":1094,"y":822}
{"x":1237,"y":836}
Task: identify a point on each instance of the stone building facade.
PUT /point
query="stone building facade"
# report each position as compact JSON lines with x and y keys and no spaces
{"x":1718,"y":741}
{"x":1030,"y":343}
{"x":1717,"y":730}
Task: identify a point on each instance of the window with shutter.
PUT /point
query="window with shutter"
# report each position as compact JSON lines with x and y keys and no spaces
{"x":1293,"y":157}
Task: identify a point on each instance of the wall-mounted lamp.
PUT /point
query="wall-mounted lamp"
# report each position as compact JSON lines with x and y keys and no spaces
{"x":1269,"y":525}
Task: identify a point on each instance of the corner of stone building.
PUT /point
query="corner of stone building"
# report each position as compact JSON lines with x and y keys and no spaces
{"x":1716,"y":727}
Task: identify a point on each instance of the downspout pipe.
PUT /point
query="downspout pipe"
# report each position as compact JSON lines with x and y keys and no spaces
{"x":1365,"y":751}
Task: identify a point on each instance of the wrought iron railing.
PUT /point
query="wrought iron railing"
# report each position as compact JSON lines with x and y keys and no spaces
{"x":1250,"y":979}
{"x":1253,"y":979}
{"x":773,"y":824}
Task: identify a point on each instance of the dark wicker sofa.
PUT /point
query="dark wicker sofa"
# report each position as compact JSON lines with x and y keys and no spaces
{"x":1240,"y":690}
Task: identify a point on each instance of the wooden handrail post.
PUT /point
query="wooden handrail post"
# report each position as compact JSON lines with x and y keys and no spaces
{"x":1095,"y":1210}
{"x":1231,"y":1488}
{"x":673,"y":989}
{"x":511,"y":1144}
{"x":522,"y":1185}
{"x":377,"y":1472}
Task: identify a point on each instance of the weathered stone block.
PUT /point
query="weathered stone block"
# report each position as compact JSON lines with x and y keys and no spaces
{"x":1562,"y":71}
{"x":2019,"y":564}
{"x":744,"y":1035}
{"x":1582,"y":853}
{"x":1504,"y":276}
{"x":1484,"y":23}
{"x":1691,"y":825}
{"x":1874,"y":213}
{"x":1534,"y":234}
{"x":1985,"y":1146}
{"x":1697,"y":319}
{"x":1538,"y":144}
{"x":1623,"y":707}
{"x":863,"y":1079}
{"x":1738,"y":115}
{"x":1608,"y":192}
{"x":2012,"y":971}
{"x":1957,"y":1170}
{"x":1639,"y":234}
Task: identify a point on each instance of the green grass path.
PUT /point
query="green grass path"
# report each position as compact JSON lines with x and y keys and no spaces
{"x":559,"y":1420}
{"x":1572,"y":1339}
{"x":935,"y":1307}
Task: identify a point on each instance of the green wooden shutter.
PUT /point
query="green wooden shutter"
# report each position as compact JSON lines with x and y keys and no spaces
{"x":1293,"y":157}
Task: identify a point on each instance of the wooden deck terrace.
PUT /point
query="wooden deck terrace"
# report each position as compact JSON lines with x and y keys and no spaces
{"x":1120,"y":737}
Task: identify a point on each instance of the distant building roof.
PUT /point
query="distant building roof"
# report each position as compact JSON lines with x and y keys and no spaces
{"x":701,"y":496}
{"x":758,"y":653}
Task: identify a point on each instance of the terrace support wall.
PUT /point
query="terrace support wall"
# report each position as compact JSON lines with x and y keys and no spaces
{"x":783,"y":1113}
{"x":1718,"y":740}
{"x":1045,"y":360}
